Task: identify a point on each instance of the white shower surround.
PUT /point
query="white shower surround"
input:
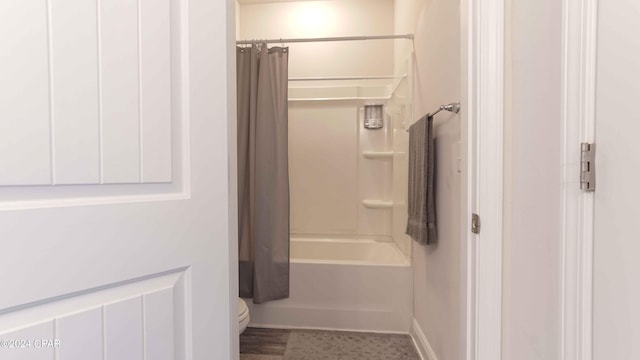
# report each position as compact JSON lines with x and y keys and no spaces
{"x":342,"y":284}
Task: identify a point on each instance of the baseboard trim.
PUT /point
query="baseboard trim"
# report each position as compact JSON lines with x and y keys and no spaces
{"x":420,"y":341}
{"x":324,"y":328}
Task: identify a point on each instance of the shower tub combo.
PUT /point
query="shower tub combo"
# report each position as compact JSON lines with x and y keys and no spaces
{"x":352,"y":187}
{"x":342,"y":284}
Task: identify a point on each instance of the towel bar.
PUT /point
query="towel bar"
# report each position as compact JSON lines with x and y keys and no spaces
{"x":453,"y":107}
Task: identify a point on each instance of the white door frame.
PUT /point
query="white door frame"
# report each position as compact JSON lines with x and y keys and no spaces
{"x":579,"y":93}
{"x":483,"y":105}
{"x":483,"y":34}
{"x":483,"y":37}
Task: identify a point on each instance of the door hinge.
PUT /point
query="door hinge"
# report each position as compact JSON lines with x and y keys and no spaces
{"x":475,"y":223}
{"x":588,"y":166}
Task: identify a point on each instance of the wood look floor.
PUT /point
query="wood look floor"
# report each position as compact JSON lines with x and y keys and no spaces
{"x":279,"y":344}
{"x":256,"y":341}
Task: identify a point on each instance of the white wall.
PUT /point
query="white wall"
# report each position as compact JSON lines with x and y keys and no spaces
{"x":324,"y":18}
{"x":323,"y":163}
{"x":532,"y":252}
{"x":436,"y":278}
{"x":616,"y":294}
{"x":406,"y":14}
{"x":237,"y":19}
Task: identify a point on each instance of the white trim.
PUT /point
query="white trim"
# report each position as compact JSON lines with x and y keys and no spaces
{"x":323,"y":328}
{"x":232,"y":171}
{"x":467,"y":250}
{"x":92,"y":201}
{"x":485,"y":108}
{"x":421,"y":343}
{"x":579,"y":78}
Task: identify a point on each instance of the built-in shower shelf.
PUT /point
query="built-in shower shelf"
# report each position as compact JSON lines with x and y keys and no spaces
{"x":383,"y":155}
{"x":377,"y":204}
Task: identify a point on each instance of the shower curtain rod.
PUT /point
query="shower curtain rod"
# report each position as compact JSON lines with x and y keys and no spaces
{"x":342,"y":38}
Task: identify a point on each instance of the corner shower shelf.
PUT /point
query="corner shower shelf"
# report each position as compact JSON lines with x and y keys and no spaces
{"x":378,"y":155}
{"x":377,"y":204}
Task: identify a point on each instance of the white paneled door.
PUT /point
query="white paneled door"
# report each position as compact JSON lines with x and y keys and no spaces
{"x":116,"y":234}
{"x":616,"y":301}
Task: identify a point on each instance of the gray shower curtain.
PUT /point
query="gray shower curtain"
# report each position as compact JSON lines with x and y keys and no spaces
{"x":263,"y":172}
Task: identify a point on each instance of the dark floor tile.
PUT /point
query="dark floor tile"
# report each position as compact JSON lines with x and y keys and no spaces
{"x":275,"y":344}
{"x":260,"y":357}
{"x":338,"y":345}
{"x":264,"y":341}
{"x":312,"y":345}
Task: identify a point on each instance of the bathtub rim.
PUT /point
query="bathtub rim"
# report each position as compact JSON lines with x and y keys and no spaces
{"x":403,"y":261}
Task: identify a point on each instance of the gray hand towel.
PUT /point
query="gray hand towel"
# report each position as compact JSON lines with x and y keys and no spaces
{"x":421,"y":225}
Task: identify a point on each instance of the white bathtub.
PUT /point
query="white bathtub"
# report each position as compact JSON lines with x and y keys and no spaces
{"x":360,"y":285}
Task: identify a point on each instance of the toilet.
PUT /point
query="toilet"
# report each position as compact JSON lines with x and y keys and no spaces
{"x":243,"y":315}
